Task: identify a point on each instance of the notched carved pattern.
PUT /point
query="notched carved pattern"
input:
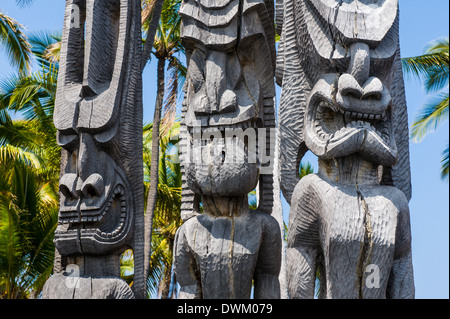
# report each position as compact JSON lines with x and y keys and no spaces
{"x":343,"y":100}
{"x":229,"y":97}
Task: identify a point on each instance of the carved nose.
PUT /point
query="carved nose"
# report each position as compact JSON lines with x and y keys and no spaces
{"x":357,"y":92}
{"x":67,"y":186}
{"x":217,"y":96}
{"x":88,"y":157}
{"x":93,"y":186}
{"x":371,"y":89}
{"x":356,"y":82}
{"x":72,"y":187}
{"x":359,"y":66}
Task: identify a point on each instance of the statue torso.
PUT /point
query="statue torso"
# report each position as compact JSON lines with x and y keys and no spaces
{"x":225,"y":251}
{"x":357,"y":233}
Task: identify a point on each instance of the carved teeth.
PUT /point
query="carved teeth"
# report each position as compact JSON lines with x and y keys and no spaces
{"x":365,"y":116}
{"x":223,"y":128}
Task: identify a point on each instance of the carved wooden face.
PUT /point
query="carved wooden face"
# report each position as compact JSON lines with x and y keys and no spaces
{"x":339,"y":65}
{"x":345,"y":118}
{"x":222,"y":89}
{"x":349,"y":70}
{"x":96,"y":201}
{"x":223,"y":96}
{"x":230,"y":74}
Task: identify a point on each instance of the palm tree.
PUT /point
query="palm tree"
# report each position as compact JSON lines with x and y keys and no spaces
{"x":33,"y":96}
{"x":433,"y":68}
{"x":150,"y":9}
{"x":29,"y":170}
{"x":28,"y":221}
{"x":166,"y":46}
{"x":167,"y":218}
{"x":15,"y":42}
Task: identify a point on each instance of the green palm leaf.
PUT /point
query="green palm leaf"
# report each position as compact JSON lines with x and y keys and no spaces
{"x":433,"y":65}
{"x":10,"y":245}
{"x":15,"y":42}
{"x":444,"y":162}
{"x":26,"y":233}
{"x":430,"y":116}
{"x":46,"y":47}
{"x":13,"y":154}
{"x":29,"y":171}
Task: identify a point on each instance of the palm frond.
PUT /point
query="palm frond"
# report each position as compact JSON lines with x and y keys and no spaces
{"x":24,"y":3}
{"x":11,"y":248}
{"x":15,"y":42}
{"x":147,"y":12}
{"x":444,"y":164}
{"x":46,"y":48}
{"x":433,"y":65}
{"x":10,"y":154}
{"x":306,"y":169}
{"x":41,"y":227}
{"x":430,"y":116}
{"x":30,"y":252}
{"x":34,"y":96}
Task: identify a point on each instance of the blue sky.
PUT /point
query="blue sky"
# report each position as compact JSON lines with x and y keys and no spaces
{"x":420,"y":22}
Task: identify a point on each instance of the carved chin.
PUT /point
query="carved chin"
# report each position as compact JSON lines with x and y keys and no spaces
{"x":223,"y":179}
{"x":97,"y":230}
{"x":222,"y":168}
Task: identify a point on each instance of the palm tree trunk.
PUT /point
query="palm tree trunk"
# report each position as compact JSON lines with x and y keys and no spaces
{"x":167,"y":279}
{"x":153,"y":190}
{"x":151,"y":32}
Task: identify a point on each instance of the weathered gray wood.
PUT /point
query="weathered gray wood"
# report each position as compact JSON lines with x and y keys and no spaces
{"x":98,"y":115}
{"x":217,"y":257}
{"x":343,"y":99}
{"x":230,"y":47}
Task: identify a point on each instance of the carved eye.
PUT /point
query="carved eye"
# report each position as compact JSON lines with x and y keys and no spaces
{"x":67,"y":141}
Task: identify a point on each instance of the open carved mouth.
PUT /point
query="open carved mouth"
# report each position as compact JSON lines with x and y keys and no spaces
{"x":109,"y":221}
{"x":331,"y":124}
{"x":88,"y":230}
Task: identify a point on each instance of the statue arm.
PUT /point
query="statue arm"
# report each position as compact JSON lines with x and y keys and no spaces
{"x":266,"y":282}
{"x":401,"y":279}
{"x":303,"y":240}
{"x":301,"y":271}
{"x":185,"y":267}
